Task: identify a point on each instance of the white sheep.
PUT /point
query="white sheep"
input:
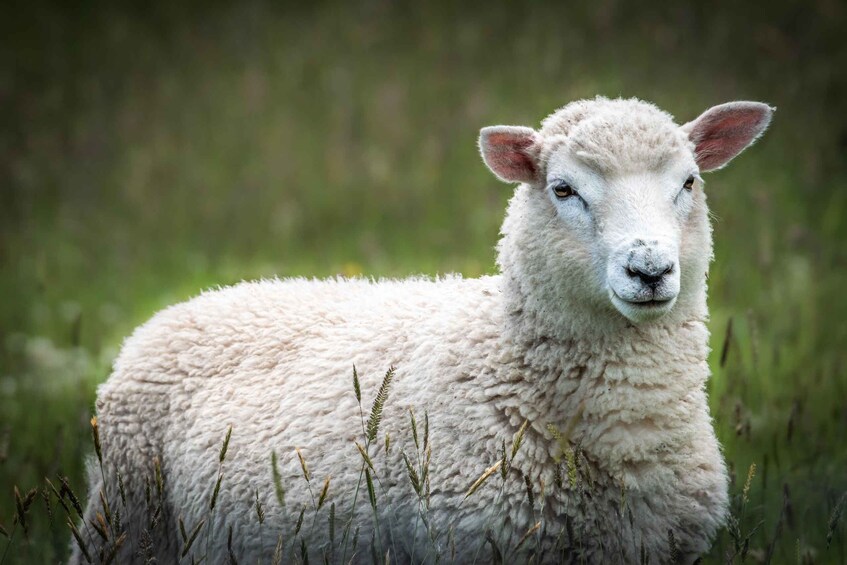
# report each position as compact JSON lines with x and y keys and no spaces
{"x":595,"y":326}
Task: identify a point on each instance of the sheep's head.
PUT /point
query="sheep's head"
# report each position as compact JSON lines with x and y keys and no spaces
{"x":611,"y":211}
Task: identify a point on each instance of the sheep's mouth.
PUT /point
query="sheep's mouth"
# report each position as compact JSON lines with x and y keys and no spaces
{"x":651,"y":303}
{"x":642,"y":310}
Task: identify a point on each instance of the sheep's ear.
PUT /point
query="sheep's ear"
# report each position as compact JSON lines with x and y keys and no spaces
{"x":511,"y":152}
{"x":724,"y":131}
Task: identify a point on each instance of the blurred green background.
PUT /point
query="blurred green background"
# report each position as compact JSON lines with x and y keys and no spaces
{"x":148,"y":152}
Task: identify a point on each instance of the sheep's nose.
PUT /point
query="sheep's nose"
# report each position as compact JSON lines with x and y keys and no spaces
{"x":649,"y":274}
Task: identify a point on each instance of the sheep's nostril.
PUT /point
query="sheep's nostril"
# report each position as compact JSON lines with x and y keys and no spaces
{"x":649,"y":277}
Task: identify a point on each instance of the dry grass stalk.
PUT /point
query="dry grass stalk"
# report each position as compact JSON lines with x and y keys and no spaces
{"x":107,"y":511}
{"x":746,"y":490}
{"x":482,"y":478}
{"x":22,"y":505}
{"x":277,"y":556}
{"x":496,"y":554}
{"x":504,"y":462}
{"x":99,"y":525}
{"x":365,"y":456}
{"x":324,"y":492}
{"x":95,"y":433}
{"x":160,"y":478}
{"x":80,"y":543}
{"x":518,"y":439}
{"x":45,"y":496}
{"x":527,"y":535}
{"x":113,"y":551}
{"x":66,"y":489}
{"x":189,"y":540}
{"x":303,"y":465}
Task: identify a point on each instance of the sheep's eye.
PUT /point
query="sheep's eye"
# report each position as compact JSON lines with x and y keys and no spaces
{"x":689,"y":184}
{"x":564,"y":190}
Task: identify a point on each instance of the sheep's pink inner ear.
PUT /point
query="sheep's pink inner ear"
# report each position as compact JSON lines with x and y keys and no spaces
{"x":724,"y":131}
{"x":511,"y":152}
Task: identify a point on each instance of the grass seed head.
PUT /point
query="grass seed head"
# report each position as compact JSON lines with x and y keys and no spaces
{"x":277,"y":556}
{"x":324,"y":492}
{"x":834,"y":518}
{"x":414,"y":427}
{"x":194,"y":533}
{"x":371,"y":493}
{"x":277,"y":479}
{"x":518,"y":439}
{"x":260,"y":511}
{"x":379,"y":403}
{"x":79,"y":541}
{"x":426,"y":430}
{"x":482,"y":478}
{"x":530,"y":497}
{"x":413,"y":475}
{"x":300,"y":520}
{"x":95,"y":433}
{"x":357,"y":389}
{"x":216,"y":491}
{"x":303,"y":465}
{"x":113,"y":551}
{"x":121,"y":489}
{"x":528,"y":534}
{"x":365,"y":456}
{"x":225,"y":445}
{"x":66,"y":489}
{"x":746,"y":490}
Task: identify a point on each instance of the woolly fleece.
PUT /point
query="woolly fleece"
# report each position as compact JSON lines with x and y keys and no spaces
{"x":274,"y":359}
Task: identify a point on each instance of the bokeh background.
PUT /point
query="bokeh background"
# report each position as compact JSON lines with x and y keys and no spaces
{"x":151,"y":150}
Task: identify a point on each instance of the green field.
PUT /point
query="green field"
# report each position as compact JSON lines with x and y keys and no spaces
{"x":148,"y":154}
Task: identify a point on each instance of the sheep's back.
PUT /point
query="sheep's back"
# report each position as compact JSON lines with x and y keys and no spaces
{"x":274,"y":359}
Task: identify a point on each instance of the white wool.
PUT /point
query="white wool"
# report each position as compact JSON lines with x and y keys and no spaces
{"x":538,"y":342}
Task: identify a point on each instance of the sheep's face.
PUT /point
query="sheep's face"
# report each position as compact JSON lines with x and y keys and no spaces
{"x":628,"y":226}
{"x":612,"y":211}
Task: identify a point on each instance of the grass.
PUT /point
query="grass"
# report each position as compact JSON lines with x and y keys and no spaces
{"x":146,"y":156}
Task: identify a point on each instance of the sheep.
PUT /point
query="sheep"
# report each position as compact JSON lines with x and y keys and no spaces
{"x":594,"y":328}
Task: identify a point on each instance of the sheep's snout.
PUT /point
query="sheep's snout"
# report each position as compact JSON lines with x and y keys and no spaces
{"x":643,"y":278}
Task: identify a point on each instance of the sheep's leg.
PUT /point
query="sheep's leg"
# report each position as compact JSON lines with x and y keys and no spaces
{"x":134,"y":518}
{"x":84,"y":549}
{"x":127,"y":498}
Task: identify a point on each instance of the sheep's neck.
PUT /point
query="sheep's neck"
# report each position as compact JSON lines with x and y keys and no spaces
{"x":600,"y":388}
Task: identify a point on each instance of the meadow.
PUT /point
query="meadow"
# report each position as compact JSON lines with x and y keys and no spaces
{"x":147,"y":154}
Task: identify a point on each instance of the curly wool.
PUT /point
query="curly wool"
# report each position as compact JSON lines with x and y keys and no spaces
{"x":273,"y":359}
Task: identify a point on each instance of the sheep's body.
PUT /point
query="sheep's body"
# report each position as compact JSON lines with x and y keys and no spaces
{"x":274,"y":361}
{"x":270,"y":360}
